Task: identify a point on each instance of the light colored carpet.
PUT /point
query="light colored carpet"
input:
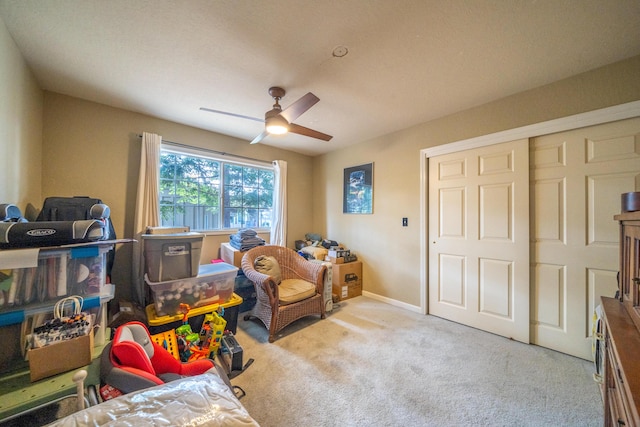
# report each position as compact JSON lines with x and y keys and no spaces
{"x":373,"y":364}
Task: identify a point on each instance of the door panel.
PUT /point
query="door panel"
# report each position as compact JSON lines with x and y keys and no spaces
{"x":452,"y":270}
{"x":576,"y":181}
{"x":478,"y":228}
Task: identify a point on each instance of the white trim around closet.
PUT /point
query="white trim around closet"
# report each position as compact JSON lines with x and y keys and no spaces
{"x":604,"y":115}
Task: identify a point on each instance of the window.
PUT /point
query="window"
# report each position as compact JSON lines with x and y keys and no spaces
{"x":207,"y":193}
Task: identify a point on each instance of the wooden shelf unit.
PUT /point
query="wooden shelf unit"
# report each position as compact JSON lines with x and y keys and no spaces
{"x":621,"y":316}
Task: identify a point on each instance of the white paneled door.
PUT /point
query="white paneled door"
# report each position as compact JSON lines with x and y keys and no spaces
{"x":479,"y":238}
{"x":577,"y":179}
{"x":522,"y":240}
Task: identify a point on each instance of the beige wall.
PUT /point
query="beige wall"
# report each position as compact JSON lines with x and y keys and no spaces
{"x":390,"y":252}
{"x":20,"y":149}
{"x":20,"y":126}
{"x":93,"y":150}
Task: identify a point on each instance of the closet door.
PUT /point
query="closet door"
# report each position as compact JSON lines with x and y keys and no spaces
{"x":479,"y":238}
{"x":577,"y":179}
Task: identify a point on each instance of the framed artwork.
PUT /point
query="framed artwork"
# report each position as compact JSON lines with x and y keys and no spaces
{"x":357,"y":196}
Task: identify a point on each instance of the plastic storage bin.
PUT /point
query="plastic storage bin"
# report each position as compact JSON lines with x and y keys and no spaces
{"x":158,"y":324}
{"x":32,"y":280}
{"x":42,"y":275}
{"x":213,"y":284}
{"x":172,"y":256}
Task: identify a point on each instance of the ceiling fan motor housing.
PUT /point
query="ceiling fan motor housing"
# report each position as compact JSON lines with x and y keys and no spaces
{"x":277,"y":92}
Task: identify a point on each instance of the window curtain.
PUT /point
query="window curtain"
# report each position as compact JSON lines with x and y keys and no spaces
{"x":147,"y":207}
{"x":279,"y":224}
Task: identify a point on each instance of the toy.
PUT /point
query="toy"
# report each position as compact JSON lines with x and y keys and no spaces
{"x":212,"y":329}
{"x":194,"y":346}
{"x":184,"y":335}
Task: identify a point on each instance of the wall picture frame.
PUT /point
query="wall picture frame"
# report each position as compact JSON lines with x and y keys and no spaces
{"x":357,"y":196}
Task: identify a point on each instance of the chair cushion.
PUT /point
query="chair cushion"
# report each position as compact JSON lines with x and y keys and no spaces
{"x":294,"y":290}
{"x":268,"y":265}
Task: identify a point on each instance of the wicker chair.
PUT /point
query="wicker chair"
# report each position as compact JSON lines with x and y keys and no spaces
{"x":269,"y":308}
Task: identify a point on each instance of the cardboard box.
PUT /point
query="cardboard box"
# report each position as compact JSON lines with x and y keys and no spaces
{"x":335,"y":260}
{"x":231,"y":255}
{"x":338,"y":253}
{"x":347,"y":272}
{"x":61,"y":357}
{"x":346,"y":291}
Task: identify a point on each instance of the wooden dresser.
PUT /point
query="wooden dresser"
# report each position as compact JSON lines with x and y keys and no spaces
{"x":621,"y":386}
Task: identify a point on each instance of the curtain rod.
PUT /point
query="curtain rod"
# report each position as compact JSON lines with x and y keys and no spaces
{"x":208,"y":150}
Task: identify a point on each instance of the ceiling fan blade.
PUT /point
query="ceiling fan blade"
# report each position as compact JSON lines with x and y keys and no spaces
{"x":260,"y":137}
{"x":301,"y":130}
{"x":296,"y":109}
{"x":232,"y":114}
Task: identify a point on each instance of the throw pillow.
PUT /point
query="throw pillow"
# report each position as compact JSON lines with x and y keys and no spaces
{"x":268,"y":265}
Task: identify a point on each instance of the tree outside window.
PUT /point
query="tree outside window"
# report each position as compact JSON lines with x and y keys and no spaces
{"x":194,"y":193}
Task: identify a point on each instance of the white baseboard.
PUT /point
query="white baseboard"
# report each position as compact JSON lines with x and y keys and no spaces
{"x":410,"y":307}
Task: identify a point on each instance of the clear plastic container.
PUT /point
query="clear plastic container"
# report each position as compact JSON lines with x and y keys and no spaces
{"x":213,"y":285}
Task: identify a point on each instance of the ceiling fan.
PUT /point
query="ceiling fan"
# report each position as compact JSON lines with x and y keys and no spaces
{"x":278,"y":121}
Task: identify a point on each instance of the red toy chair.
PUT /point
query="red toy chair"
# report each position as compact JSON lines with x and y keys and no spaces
{"x":133,"y":361}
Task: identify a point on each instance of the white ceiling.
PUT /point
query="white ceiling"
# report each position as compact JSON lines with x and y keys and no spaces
{"x":408,"y":61}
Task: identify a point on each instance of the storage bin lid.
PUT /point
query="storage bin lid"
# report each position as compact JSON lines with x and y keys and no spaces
{"x":204,"y":271}
{"x":216,"y":268}
{"x":174,"y":236}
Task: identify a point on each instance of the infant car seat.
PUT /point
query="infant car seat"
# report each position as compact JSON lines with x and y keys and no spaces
{"x":133,"y":361}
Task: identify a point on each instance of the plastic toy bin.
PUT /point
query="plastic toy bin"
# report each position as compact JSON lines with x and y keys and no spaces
{"x":172,"y":256}
{"x":158,"y":324}
{"x":213,"y":284}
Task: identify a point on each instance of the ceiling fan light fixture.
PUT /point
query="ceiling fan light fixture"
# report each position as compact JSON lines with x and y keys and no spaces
{"x":278,"y":121}
{"x":277,"y":125}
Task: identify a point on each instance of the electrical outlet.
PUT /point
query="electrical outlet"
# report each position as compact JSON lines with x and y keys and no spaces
{"x":405,"y":222}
